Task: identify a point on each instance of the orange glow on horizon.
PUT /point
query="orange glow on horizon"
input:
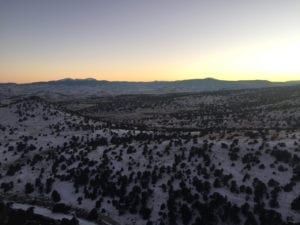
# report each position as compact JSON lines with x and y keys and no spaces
{"x":275,"y":60}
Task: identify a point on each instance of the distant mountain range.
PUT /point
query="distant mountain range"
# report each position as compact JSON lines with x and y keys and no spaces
{"x":93,"y":87}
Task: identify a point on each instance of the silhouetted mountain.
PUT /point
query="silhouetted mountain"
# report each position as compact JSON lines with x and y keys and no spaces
{"x":90,"y":86}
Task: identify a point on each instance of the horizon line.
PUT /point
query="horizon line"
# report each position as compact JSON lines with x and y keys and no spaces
{"x":150,"y":81}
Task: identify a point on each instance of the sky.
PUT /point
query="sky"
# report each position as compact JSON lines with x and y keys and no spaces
{"x":146,"y":40}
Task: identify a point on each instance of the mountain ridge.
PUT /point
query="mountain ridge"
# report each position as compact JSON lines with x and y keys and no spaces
{"x":92,"y":87}
{"x":93,"y":80}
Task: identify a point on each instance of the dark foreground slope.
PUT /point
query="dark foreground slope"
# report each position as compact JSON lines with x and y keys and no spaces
{"x":11,"y":216}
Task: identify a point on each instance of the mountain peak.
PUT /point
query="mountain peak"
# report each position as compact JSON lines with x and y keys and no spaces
{"x":83,"y":79}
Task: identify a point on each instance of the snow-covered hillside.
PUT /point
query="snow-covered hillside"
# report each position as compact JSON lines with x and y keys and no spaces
{"x":149,"y":177}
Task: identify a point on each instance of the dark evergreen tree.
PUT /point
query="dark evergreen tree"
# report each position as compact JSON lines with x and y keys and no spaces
{"x":55,"y":196}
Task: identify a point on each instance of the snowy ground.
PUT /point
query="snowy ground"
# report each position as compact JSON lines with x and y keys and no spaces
{"x":134,"y":177}
{"x":48,"y":213}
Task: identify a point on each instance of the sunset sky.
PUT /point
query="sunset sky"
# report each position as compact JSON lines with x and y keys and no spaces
{"x":145,"y":40}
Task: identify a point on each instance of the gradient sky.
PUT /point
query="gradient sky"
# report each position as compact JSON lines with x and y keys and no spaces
{"x":143,"y":40}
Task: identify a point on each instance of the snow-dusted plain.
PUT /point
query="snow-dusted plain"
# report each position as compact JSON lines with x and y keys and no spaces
{"x":246,"y":174}
{"x":48,"y":213}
